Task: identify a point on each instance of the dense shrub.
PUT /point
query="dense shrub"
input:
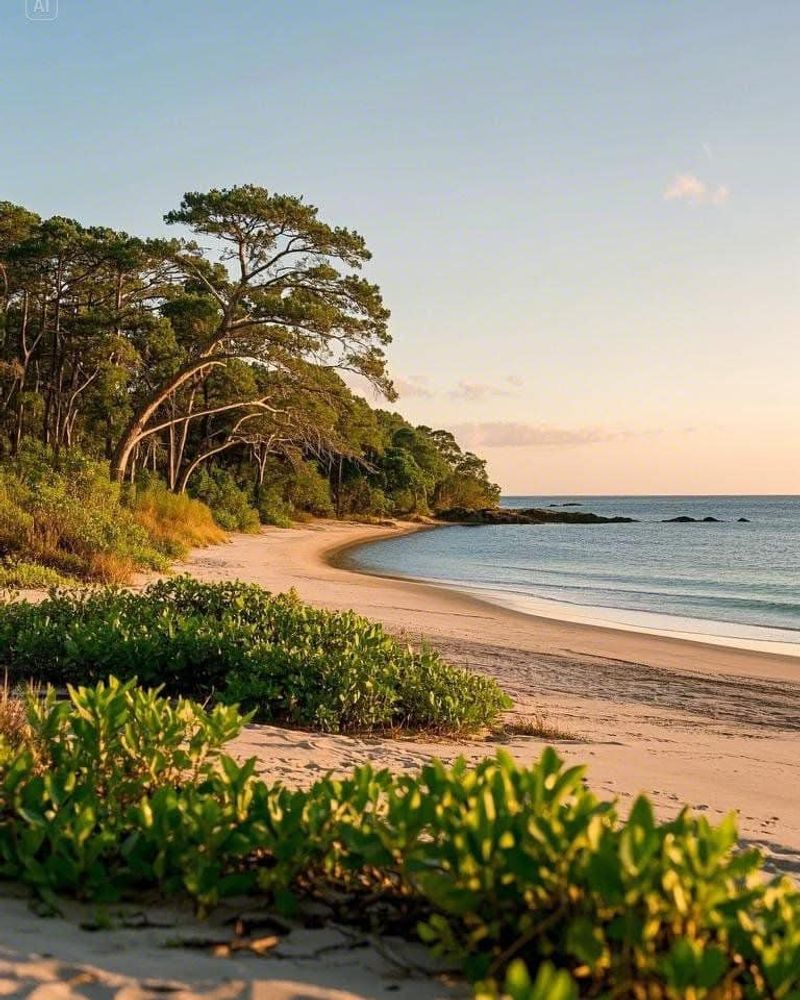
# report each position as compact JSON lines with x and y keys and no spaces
{"x":17,"y":574}
{"x":285,"y":661}
{"x":274,"y":509}
{"x":64,"y":513}
{"x":101,"y":767}
{"x":229,"y":503}
{"x":293,"y":491}
{"x":309,"y":491}
{"x":496,"y":867}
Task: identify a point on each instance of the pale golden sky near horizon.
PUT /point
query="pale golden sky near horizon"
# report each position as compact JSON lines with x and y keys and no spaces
{"x":627,"y":309}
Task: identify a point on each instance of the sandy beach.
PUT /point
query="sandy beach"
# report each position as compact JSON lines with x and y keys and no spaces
{"x":691,"y":723}
{"x":686,"y":722}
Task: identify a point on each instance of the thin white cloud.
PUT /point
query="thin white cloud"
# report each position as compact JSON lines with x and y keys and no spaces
{"x":413,"y":385}
{"x":469,"y":390}
{"x":466,"y":389}
{"x":685,"y":187}
{"x":689,"y":188}
{"x":502,"y":434}
{"x":720,"y":195}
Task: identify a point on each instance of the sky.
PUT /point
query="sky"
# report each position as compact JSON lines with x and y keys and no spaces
{"x":585,"y":217}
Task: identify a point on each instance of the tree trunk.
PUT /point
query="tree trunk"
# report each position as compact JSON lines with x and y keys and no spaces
{"x":186,"y":475}
{"x":137,"y":425}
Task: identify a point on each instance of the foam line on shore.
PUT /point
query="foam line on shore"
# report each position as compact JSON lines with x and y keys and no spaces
{"x":716,"y":633}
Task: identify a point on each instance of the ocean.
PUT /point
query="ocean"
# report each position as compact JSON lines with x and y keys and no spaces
{"x":733,"y":583}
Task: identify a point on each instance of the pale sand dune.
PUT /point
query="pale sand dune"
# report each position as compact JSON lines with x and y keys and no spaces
{"x":716,"y":728}
{"x":150,"y":953}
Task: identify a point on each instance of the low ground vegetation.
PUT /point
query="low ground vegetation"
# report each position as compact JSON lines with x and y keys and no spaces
{"x":505,"y":872}
{"x":175,"y":522}
{"x":20,"y":574}
{"x":62,"y":518}
{"x":284,"y":661}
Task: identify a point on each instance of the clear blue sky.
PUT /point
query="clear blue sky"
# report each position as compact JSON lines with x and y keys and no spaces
{"x":509,"y":165}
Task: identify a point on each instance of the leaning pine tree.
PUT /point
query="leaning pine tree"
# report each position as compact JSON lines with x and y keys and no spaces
{"x":281,"y":289}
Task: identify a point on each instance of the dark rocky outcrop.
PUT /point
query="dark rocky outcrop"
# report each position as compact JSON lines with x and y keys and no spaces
{"x":539,"y":515}
{"x":743,"y":520}
{"x":529,"y":515}
{"x":683,"y":519}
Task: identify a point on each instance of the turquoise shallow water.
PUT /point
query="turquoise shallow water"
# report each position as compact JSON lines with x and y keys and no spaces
{"x":729,"y":579}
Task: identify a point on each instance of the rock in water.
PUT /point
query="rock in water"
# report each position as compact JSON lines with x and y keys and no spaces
{"x":530,"y":515}
{"x":684,"y":519}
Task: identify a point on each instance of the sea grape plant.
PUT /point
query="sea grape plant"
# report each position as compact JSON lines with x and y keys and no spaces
{"x":519,"y":876}
{"x":286,"y":662}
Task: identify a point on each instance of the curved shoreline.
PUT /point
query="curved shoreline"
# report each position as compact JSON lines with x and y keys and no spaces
{"x":684,"y":721}
{"x":568,"y":636}
{"x":336,"y":555}
{"x":589,"y":616}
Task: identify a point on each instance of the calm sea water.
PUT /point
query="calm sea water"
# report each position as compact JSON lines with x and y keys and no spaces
{"x":734,"y":582}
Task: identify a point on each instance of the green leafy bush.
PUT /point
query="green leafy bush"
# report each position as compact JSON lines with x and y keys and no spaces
{"x":550,"y":984}
{"x":20,"y":574}
{"x":83,"y":808}
{"x":515,"y":874}
{"x":309,"y":491}
{"x":292,"y":491}
{"x":229,"y":503}
{"x":285,"y":661}
{"x":274,"y":509}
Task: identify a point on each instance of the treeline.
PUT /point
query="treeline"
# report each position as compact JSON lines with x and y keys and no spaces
{"x":214,"y":362}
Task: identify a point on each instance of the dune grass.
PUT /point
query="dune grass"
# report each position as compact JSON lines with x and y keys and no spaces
{"x":174,"y":523}
{"x":14,"y":729}
{"x":62,"y":518}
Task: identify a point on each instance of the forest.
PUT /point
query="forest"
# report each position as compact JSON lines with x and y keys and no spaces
{"x":148,"y":375}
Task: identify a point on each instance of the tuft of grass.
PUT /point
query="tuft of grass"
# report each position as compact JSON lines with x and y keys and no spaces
{"x":175,"y":523}
{"x":110,"y":567}
{"x":538,"y":725}
{"x":14,"y":729}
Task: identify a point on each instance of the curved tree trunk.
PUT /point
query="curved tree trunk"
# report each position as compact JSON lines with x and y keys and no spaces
{"x":186,"y":475}
{"x":137,"y":425}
